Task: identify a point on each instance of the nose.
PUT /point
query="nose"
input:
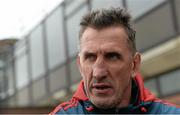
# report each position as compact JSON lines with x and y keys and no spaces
{"x":99,"y":69}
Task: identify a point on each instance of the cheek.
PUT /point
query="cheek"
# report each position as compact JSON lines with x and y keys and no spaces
{"x":123,"y":69}
{"x":86,"y":73}
{"x":121,"y":75}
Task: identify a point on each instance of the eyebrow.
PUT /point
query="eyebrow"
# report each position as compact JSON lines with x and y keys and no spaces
{"x":87,"y":53}
{"x":114,"y":53}
{"x":106,"y":52}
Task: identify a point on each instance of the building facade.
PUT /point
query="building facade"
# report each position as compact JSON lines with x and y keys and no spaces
{"x":42,"y":70}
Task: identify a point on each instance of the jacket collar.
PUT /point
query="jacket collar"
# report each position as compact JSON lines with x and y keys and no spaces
{"x":80,"y":94}
{"x":145,"y":94}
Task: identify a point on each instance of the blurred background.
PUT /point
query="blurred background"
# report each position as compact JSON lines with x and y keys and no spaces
{"x":38,"y":47}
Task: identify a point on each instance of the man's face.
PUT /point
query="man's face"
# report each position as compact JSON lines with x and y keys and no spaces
{"x":106,"y":65}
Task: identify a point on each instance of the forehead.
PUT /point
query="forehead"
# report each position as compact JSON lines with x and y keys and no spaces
{"x":108,"y":38}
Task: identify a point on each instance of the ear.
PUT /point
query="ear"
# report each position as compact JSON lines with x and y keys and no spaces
{"x":136,"y":64}
{"x":78,"y":62}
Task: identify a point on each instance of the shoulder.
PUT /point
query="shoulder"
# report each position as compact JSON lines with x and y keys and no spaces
{"x":71,"y":107}
{"x":164,"y":107}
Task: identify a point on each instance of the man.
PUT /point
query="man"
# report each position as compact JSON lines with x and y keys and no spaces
{"x":109,"y":66}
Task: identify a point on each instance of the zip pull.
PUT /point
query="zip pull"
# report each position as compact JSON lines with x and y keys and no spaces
{"x":89,"y":108}
{"x":143,"y":109}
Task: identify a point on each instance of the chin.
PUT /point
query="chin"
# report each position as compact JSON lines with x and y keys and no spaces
{"x":104,"y":103}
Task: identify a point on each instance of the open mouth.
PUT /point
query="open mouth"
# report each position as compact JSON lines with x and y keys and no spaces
{"x":102,"y":89}
{"x":101,"y":86}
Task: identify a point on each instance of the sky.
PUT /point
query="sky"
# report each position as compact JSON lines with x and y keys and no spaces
{"x":18,"y":16}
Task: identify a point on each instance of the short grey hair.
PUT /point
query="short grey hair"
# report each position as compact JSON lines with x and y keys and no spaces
{"x":103,"y":18}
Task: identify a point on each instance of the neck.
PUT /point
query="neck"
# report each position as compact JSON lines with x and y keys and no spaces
{"x":126,"y":97}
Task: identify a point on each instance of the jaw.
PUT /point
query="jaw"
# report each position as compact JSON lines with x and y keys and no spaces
{"x":103,"y":98}
{"x":104,"y":102}
{"x":120,"y":98}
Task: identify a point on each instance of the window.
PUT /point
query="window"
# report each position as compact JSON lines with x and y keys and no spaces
{"x":55,"y":38}
{"x":37,"y":52}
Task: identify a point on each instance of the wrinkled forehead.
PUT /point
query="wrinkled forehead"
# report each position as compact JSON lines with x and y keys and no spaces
{"x":110,"y":35}
{"x":95,"y":47}
{"x":107,"y":40}
{"x":107,"y":30}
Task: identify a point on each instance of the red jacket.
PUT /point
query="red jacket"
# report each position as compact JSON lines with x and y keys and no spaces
{"x":146,"y":102}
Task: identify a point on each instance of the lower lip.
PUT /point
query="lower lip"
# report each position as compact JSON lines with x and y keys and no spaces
{"x":102,"y":91}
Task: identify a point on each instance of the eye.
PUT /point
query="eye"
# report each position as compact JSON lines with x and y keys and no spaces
{"x":90,"y":57}
{"x":113,"y":56}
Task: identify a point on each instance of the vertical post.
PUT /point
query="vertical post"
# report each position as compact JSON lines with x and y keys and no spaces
{"x":6,"y":83}
{"x":46,"y":60}
{"x":29,"y":64}
{"x":14,"y":75}
{"x":89,"y":4}
{"x":158,"y":84}
{"x":124,"y":2}
{"x":174,"y":16}
{"x":67,"y":68}
{"x":4,"y":89}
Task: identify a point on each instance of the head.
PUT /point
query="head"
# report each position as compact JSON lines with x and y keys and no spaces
{"x":107,"y":58}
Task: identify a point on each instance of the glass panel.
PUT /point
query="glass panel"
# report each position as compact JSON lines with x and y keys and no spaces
{"x":73,"y":31}
{"x":170,"y":82}
{"x":12,"y":102}
{"x":139,"y":7}
{"x":152,"y":86}
{"x":155,"y":28}
{"x":58,"y":79}
{"x":2,"y":92}
{"x":73,"y":5}
{"x":96,"y":4}
{"x":177,"y":3}
{"x":74,"y":72}
{"x":1,"y":63}
{"x":19,"y":51}
{"x":20,"y":47}
{"x":23,"y":97}
{"x":67,"y":2}
{"x":39,"y":89}
{"x":20,"y":43}
{"x":21,"y":71}
{"x":10,"y":75}
{"x":55,"y":38}
{"x":37,"y":56}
